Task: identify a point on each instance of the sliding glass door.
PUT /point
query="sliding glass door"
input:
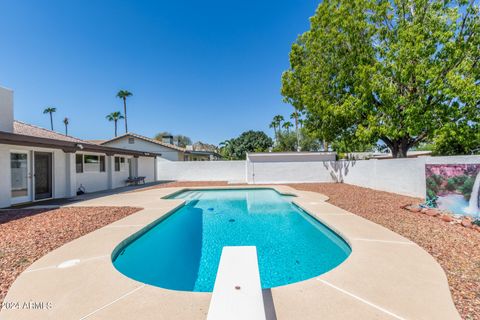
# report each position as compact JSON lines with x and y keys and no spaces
{"x":20,"y":177}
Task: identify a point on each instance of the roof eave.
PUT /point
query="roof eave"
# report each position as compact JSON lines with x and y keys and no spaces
{"x":66,"y":146}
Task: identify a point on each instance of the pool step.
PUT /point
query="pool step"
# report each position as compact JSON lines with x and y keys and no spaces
{"x":237,"y":293}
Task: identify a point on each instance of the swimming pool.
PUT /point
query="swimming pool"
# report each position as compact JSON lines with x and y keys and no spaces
{"x":182,"y":251}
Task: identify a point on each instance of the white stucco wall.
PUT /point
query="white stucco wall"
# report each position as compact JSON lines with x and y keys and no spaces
{"x":59,"y":180}
{"x":287,"y":172}
{"x":233,"y":171}
{"x":6,"y":110}
{"x":146,"y":168}
{"x":145,"y":146}
{"x":402,"y":176}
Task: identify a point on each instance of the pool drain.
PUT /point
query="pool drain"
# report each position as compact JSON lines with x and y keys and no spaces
{"x":231,"y":220}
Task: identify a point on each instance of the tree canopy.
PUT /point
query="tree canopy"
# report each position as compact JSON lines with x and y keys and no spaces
{"x":249,"y":141}
{"x":178,"y":139}
{"x":403,"y":71}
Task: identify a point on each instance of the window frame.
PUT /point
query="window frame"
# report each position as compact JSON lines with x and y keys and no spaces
{"x":77,"y":164}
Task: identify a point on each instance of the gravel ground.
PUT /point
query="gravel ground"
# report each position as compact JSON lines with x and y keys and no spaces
{"x":26,"y":235}
{"x":457,"y":249}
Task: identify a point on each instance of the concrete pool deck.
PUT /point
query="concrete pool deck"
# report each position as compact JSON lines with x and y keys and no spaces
{"x":386,"y":276}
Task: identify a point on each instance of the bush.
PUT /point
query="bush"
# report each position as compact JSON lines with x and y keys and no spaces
{"x":466,"y":188}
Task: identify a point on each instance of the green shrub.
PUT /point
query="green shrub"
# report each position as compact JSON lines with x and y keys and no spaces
{"x":466,"y":188}
{"x":451,"y":184}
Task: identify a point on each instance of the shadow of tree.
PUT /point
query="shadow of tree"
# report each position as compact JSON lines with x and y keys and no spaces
{"x":338,"y":169}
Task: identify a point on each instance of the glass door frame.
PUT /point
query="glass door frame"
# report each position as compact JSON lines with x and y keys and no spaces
{"x":33,"y":175}
{"x":29,"y":196}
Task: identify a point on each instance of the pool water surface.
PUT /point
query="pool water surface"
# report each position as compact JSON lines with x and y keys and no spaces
{"x":182,"y":251}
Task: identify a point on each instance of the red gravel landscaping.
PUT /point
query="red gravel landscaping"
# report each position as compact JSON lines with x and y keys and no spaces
{"x":27,"y":235}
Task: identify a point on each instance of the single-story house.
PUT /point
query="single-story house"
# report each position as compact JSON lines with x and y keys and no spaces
{"x":165,"y":148}
{"x":38,"y":164}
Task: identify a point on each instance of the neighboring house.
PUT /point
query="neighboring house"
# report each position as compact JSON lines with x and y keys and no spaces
{"x":165,"y":149}
{"x":38,"y":164}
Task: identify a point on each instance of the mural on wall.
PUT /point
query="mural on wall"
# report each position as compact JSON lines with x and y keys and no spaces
{"x":454,"y":188}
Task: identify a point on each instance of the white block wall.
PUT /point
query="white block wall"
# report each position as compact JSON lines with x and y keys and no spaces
{"x":288,"y":172}
{"x":146,"y":168}
{"x":201,"y":170}
{"x":402,"y":176}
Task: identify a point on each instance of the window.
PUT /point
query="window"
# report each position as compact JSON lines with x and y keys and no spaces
{"x":79,"y":162}
{"x":102,"y":163}
{"x":91,"y":163}
{"x":90,"y":159}
{"x":117,"y":163}
{"x":131,"y":140}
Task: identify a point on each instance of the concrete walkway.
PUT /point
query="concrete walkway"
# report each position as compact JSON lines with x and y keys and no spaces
{"x":386,"y":276}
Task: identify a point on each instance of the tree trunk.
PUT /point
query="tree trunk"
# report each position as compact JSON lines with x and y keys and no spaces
{"x":66,"y":130}
{"x":398,"y":147}
{"x":125,"y":112}
{"x":51,"y":121}
{"x":297,"y":133}
{"x":115,"y":128}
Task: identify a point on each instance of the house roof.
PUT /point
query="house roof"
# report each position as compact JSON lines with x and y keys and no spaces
{"x":34,"y":131}
{"x":96,"y":141}
{"x":29,"y":135}
{"x":161,"y":143}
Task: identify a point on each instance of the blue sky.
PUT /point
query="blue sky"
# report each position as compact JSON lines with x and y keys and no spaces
{"x":206,"y":69}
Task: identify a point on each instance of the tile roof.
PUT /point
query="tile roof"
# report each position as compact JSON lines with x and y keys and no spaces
{"x":166,"y":145}
{"x":96,"y":141}
{"x":34,"y":131}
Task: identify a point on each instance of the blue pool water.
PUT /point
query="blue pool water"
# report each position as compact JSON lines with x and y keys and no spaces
{"x":182,"y":252}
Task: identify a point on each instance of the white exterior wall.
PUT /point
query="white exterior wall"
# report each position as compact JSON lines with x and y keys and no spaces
{"x":233,"y":171}
{"x":402,"y":176}
{"x":6,"y":110}
{"x":59,"y":188}
{"x":146,"y":168}
{"x":145,"y":146}
{"x":287,"y":172}
{"x":92,"y":181}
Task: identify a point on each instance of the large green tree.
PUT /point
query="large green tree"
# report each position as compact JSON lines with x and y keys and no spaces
{"x":249,"y":141}
{"x":404,"y":72}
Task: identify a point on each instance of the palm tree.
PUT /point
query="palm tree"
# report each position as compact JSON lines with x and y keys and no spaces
{"x":287,"y":125}
{"x":276,"y":124}
{"x":227,"y":148}
{"x":296,"y":115}
{"x":115,"y":116}
{"x":66,"y":122}
{"x":50,"y":110}
{"x":124,"y":94}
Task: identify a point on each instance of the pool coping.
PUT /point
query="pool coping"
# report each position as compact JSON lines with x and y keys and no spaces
{"x":385,"y":277}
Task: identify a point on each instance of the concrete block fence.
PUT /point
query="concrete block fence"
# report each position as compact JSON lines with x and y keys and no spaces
{"x":402,"y":176}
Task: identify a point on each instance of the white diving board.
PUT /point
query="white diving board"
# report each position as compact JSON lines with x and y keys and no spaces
{"x":237,"y":294}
